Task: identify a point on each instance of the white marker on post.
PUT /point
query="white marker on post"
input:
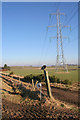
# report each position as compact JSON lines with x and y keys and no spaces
{"x":39,"y":86}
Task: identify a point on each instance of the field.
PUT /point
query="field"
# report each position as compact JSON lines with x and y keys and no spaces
{"x":20,"y":101}
{"x":72,"y":74}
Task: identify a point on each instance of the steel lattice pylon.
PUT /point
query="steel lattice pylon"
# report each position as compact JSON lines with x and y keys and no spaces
{"x":60,"y":45}
{"x":60,"y":61}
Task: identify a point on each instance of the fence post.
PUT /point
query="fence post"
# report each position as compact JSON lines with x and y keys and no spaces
{"x":32,"y":84}
{"x":47,"y":82}
{"x":35,"y":85}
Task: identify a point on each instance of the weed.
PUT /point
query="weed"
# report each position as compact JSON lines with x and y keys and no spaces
{"x":62,"y":105}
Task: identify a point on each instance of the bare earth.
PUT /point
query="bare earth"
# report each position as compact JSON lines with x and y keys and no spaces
{"x":25,"y":103}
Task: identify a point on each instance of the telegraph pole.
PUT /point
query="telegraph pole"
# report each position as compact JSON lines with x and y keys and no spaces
{"x":60,"y":51}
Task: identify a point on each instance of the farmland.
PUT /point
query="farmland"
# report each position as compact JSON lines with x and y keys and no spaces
{"x":20,"y":101}
{"x":72,"y":74}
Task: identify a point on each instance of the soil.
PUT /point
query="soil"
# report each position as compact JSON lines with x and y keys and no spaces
{"x":64,"y":95}
{"x":17,"y":111}
{"x":26,"y":104}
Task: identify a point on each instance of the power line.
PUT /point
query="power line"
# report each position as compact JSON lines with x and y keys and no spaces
{"x":46,"y":52}
{"x":70,"y":13}
{"x":74,"y":28}
{"x":72,"y":17}
{"x":44,"y":43}
{"x":50,"y":20}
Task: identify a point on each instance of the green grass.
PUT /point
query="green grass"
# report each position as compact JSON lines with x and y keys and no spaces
{"x":71,"y":76}
{"x":23,"y":71}
{"x":26,"y":71}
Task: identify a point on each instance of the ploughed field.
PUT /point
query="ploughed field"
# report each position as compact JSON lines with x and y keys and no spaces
{"x":19,"y":100}
{"x":24,"y":111}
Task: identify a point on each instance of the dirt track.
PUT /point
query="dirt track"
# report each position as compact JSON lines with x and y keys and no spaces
{"x":64,"y":95}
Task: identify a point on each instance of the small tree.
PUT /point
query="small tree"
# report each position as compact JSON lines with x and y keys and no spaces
{"x":5,"y":66}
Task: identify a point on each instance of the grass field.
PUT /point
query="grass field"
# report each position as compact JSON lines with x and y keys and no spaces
{"x":72,"y":74}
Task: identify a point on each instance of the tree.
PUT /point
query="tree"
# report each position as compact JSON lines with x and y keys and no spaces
{"x":5,"y":66}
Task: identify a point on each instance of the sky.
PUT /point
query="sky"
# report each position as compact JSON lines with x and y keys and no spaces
{"x":25,"y":39}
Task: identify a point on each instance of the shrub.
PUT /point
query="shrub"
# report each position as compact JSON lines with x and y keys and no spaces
{"x":51,"y":79}
{"x":55,"y":79}
{"x":70,"y":83}
{"x":58,"y":80}
{"x":29,"y":78}
{"x":39,"y":78}
{"x":62,"y":82}
{"x":66,"y":82}
{"x":62,"y":105}
{"x":11,"y":73}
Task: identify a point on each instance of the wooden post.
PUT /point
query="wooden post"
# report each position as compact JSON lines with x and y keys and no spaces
{"x":19,"y":78}
{"x":32,"y":84}
{"x":48,"y":84}
{"x":35,"y":85}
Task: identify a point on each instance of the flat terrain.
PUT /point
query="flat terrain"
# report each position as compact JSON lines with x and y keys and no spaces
{"x":71,"y":75}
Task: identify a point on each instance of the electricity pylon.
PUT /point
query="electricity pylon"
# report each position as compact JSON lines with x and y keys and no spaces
{"x":60,"y":52}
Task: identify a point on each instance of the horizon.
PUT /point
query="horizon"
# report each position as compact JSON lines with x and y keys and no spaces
{"x":34,"y":65}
